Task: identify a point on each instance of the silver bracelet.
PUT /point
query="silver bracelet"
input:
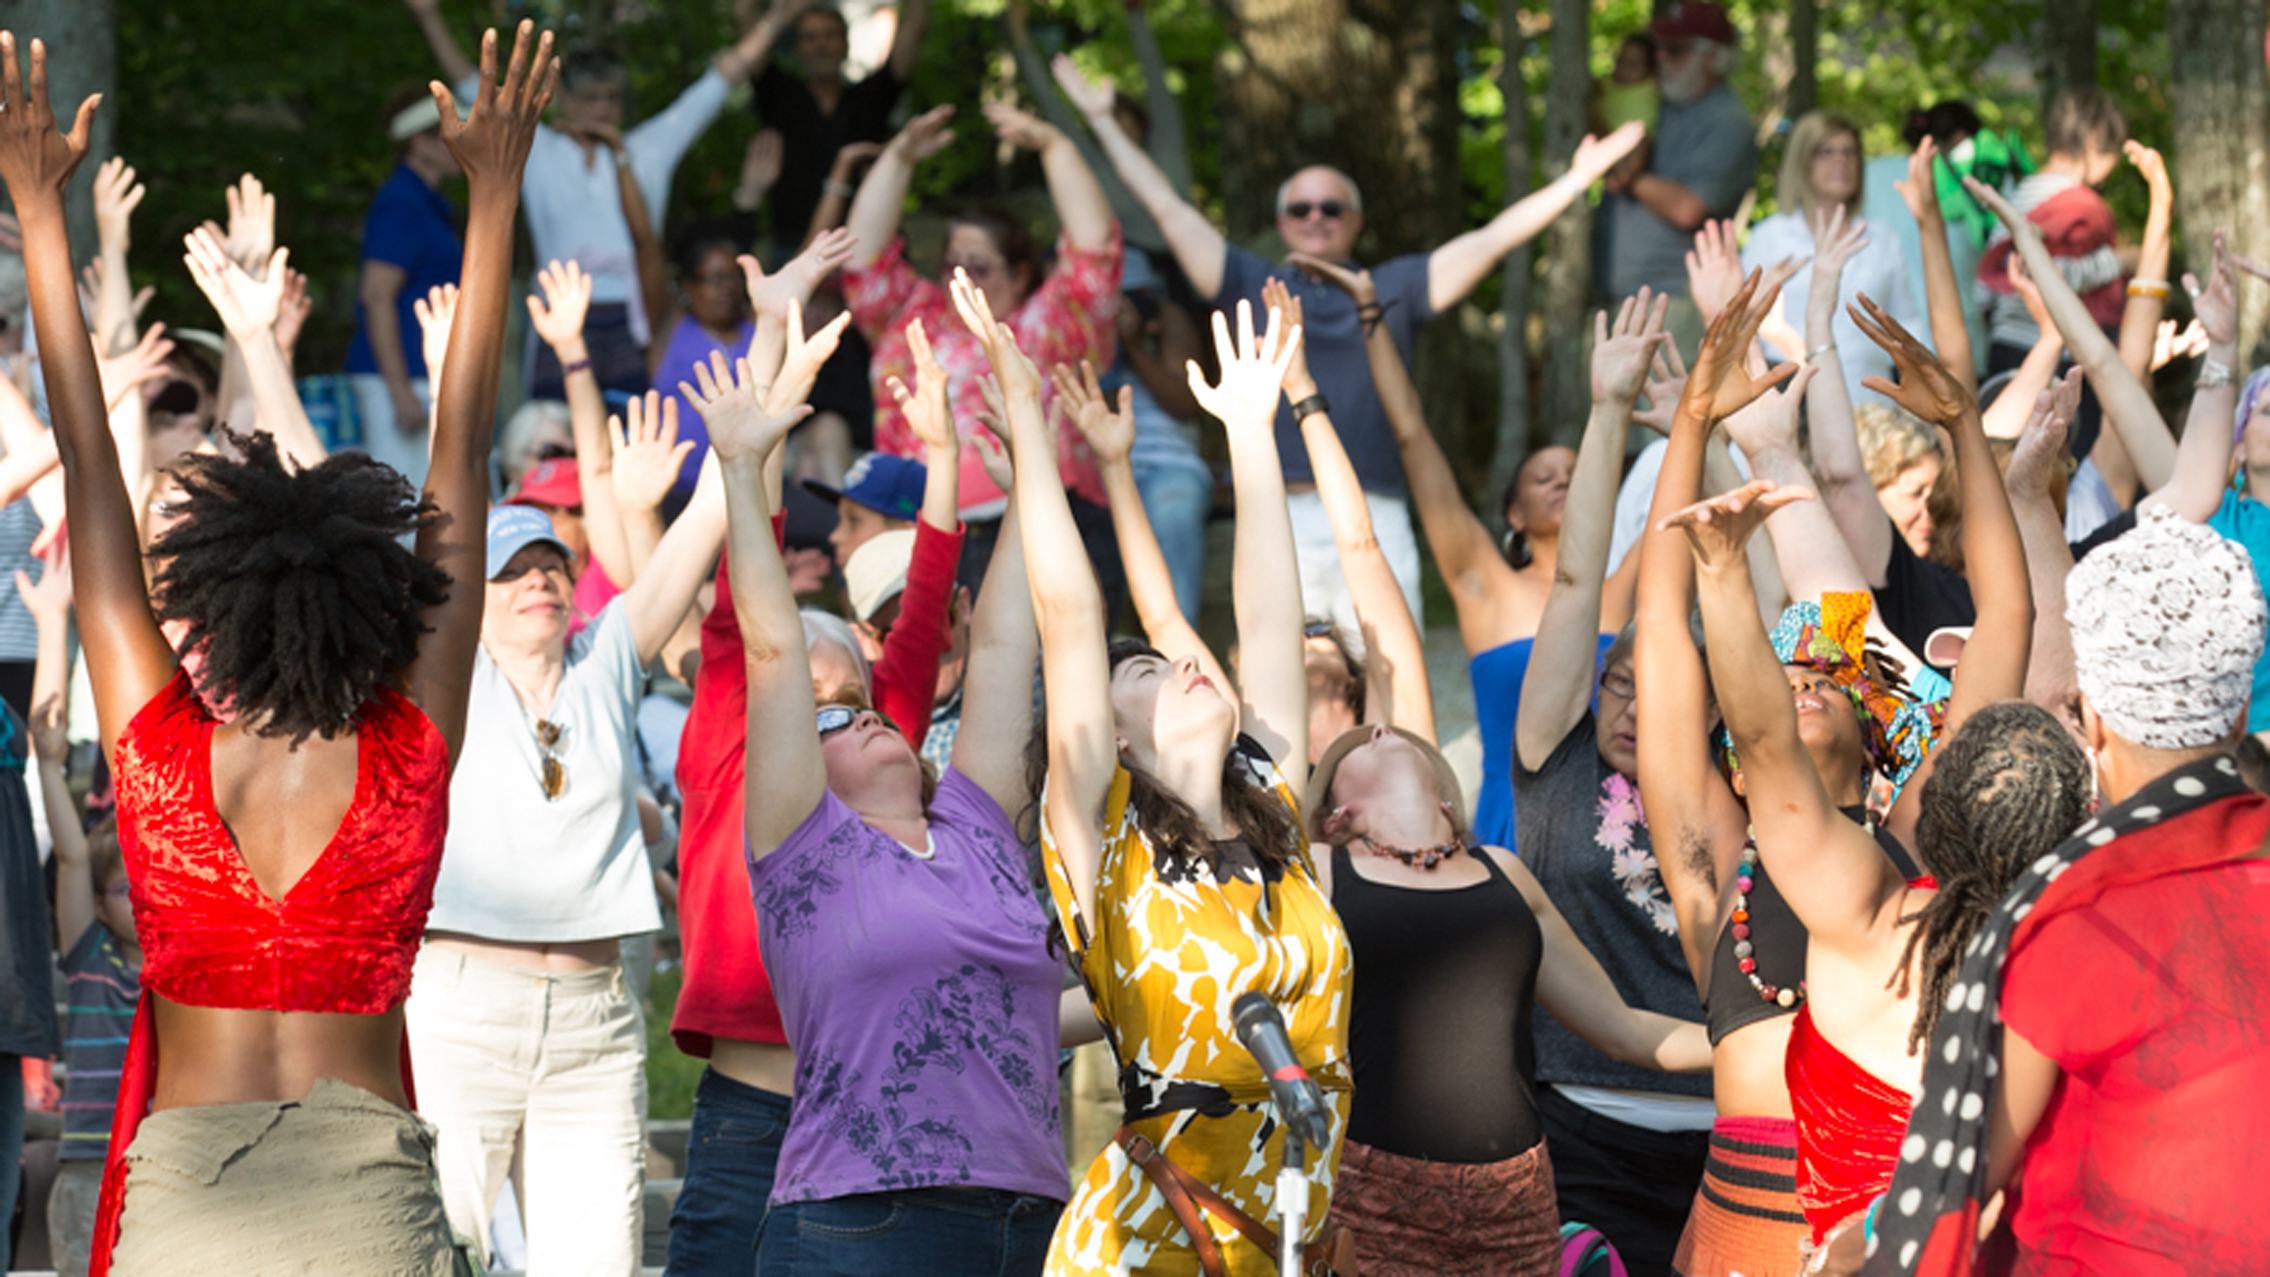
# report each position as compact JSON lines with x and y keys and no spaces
{"x":2213,"y":374}
{"x":1825,"y":348}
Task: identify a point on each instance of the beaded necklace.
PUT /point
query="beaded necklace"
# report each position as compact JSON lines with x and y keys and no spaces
{"x":1745,"y":954}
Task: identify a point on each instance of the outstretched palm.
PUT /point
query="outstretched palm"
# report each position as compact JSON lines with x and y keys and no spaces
{"x":33,"y":156}
{"x":1718,"y":529}
{"x":732,"y":403}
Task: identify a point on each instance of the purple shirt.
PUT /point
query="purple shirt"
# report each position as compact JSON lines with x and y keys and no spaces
{"x":691,"y":344}
{"x":921,"y":1000}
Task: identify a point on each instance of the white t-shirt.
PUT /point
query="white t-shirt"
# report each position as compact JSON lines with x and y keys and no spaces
{"x":520,"y":867}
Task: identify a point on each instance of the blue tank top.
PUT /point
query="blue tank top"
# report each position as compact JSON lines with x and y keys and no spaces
{"x":1497,"y":676}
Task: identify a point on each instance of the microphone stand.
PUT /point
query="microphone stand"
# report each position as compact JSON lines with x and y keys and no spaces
{"x":1292,"y":1201}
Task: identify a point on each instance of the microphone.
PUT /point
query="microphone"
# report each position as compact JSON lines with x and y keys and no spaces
{"x":1300,"y":1103}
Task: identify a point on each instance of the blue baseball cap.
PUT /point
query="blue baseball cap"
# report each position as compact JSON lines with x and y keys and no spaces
{"x":890,"y":486}
{"x":513,"y":528}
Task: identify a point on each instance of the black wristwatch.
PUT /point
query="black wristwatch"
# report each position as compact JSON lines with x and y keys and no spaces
{"x":1314,"y":403}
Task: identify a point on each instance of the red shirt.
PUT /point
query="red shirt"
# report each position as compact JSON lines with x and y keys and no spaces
{"x":2154,"y":999}
{"x":727,"y":993}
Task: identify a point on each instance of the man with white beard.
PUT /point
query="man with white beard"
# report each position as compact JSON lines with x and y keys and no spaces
{"x":1700,"y":161}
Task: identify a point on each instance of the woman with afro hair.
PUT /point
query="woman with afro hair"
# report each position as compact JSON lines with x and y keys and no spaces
{"x":282,"y":862}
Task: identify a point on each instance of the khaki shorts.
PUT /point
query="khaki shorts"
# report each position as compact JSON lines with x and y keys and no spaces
{"x":340,"y":1183}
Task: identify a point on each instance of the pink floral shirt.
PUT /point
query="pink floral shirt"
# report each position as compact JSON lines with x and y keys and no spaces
{"x":1072,"y":316}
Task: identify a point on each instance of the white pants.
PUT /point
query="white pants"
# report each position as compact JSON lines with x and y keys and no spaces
{"x":557,"y":1063}
{"x":383,"y":437}
{"x":1324,"y":588}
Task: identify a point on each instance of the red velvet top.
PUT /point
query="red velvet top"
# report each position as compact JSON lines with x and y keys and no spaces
{"x":342,"y":939}
{"x":1849,"y":1127}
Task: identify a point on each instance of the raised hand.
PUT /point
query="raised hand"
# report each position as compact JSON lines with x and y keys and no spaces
{"x":34,"y":158}
{"x":491,"y":143}
{"x":994,"y":456}
{"x":927,"y":413}
{"x":1089,"y":97}
{"x":2022,"y":230}
{"x":2022,"y":283}
{"x":1021,"y":129}
{"x":48,"y":599}
{"x":91,"y":278}
{"x":135,"y":367}
{"x":1718,"y":529}
{"x":1596,"y":155}
{"x":436,"y":311}
{"x":925,"y":135}
{"x":117,"y":195}
{"x":1666,"y":382}
{"x":1927,"y":387}
{"x":1299,"y":384}
{"x":1253,"y":369}
{"x":1109,"y":431}
{"x":1721,"y":383}
{"x":2169,"y":344}
{"x":802,"y":358}
{"x":1623,"y":355}
{"x":292,"y":311}
{"x":1714,"y":268}
{"x":252,"y":225}
{"x":247,"y":306}
{"x":1016,"y":374}
{"x":558,"y":314}
{"x":1920,"y":188}
{"x":793,"y":283}
{"x":648,"y":456}
{"x":2153,"y":168}
{"x":1769,"y":423}
{"x":761,"y":163}
{"x":1357,"y":284}
{"x":852,"y":157}
{"x":731,"y":402}
{"x":1836,"y":241}
{"x":2216,"y":305}
{"x":2040,"y":452}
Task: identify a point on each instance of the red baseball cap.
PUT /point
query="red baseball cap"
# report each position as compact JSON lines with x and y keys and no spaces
{"x":555,"y":483}
{"x":1695,"y":20}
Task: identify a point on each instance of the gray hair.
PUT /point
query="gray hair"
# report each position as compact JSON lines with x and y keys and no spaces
{"x":820,"y":624}
{"x":520,"y":428}
{"x":1355,"y":196}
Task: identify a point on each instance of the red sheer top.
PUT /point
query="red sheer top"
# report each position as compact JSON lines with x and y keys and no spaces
{"x":1849,"y":1127}
{"x":342,"y":939}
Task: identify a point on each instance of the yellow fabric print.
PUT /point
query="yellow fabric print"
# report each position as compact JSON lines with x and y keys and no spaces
{"x":1171,"y":947}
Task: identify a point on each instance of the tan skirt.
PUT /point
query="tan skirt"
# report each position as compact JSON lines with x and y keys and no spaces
{"x":341,"y":1183}
{"x":1415,"y":1218}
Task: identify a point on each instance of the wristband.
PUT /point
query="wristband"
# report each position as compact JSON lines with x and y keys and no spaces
{"x":2141,"y":287}
{"x":572,"y":368}
{"x":841,"y":190}
{"x":1825,"y":348}
{"x":622,"y":159}
{"x":1313,"y":404}
{"x":1370,"y":313}
{"x":2213,"y":374}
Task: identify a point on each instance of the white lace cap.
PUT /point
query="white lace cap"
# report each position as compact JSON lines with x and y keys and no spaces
{"x":2167,"y":626}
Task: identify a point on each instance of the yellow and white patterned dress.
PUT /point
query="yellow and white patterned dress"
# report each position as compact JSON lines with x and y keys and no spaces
{"x":1171,"y":949}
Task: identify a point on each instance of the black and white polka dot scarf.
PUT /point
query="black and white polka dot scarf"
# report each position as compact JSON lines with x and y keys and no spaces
{"x":1941,"y":1178}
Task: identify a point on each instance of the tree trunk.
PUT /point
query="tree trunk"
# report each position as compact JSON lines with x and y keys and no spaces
{"x":2221,"y":160}
{"x":82,"y":59}
{"x":1567,"y":284}
{"x":1513,"y":307}
{"x":2069,"y":46}
{"x":1804,"y":57}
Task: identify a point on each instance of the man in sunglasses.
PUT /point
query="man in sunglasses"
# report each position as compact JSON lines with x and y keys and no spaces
{"x":1320,"y":215}
{"x":1702,"y":160}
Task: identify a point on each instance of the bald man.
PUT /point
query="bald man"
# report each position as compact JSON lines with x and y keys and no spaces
{"x":1320,"y":211}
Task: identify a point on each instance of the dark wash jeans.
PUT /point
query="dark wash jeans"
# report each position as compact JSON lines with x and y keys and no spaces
{"x":951,"y":1232}
{"x":731,"y":1154}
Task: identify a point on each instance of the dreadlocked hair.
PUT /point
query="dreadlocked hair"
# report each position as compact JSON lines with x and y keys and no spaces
{"x":296,"y":588}
{"x":2006,"y":790}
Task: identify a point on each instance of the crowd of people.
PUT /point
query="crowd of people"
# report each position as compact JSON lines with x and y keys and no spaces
{"x":1866,"y":874}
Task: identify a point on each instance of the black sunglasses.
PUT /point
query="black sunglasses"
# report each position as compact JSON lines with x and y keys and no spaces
{"x":1299,"y":210}
{"x":554,"y":452}
{"x":830,"y":719}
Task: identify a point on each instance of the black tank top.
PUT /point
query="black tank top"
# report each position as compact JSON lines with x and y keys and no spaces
{"x":1777,"y":944}
{"x":1439,"y":1034}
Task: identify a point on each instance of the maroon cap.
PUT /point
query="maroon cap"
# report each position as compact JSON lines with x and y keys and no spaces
{"x":555,"y":483}
{"x":1695,"y":20}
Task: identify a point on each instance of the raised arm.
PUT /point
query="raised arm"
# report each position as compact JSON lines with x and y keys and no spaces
{"x":491,"y":145}
{"x":2039,"y":454}
{"x":2127,"y":404}
{"x":1845,"y":488}
{"x":739,"y":60}
{"x":2007,"y":415}
{"x":997,"y":685}
{"x":1558,"y":688}
{"x":456,"y":68}
{"x":2203,"y":459}
{"x":1397,"y":691}
{"x":1697,"y":826}
{"x":876,"y":209}
{"x":49,"y":602}
{"x":1459,"y":265}
{"x":2148,"y":289}
{"x":1265,"y":579}
{"x":906,"y":42}
{"x":247,"y":308}
{"x":1072,"y":187}
{"x":1943,"y":296}
{"x":1199,"y":248}
{"x":1082,"y":753}
{"x":127,"y":657}
{"x":1836,"y":879}
{"x":557,"y":315}
{"x":116,"y":195}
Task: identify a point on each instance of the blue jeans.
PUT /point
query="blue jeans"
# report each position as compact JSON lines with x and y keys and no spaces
{"x":730,"y":1157}
{"x":1178,"y":499}
{"x":951,"y":1232}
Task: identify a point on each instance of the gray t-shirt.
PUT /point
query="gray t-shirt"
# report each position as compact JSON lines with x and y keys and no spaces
{"x":1706,"y":146}
{"x":519,"y":866}
{"x":1579,"y":828}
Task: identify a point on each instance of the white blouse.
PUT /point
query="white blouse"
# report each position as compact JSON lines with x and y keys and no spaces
{"x":1879,"y":269}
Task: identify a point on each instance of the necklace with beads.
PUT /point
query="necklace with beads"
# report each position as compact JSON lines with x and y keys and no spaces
{"x":1417,"y":857}
{"x":1745,"y":953}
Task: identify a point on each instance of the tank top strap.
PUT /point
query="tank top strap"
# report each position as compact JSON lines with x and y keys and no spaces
{"x":1481,"y":852}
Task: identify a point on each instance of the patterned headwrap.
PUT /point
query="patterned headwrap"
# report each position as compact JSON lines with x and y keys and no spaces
{"x":1832,"y":637}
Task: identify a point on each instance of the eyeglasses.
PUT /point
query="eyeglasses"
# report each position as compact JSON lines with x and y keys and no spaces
{"x":1619,"y":686}
{"x":1319,"y":629}
{"x":555,"y":772}
{"x":830,"y":719}
{"x":1329,"y":210}
{"x":511,"y":573}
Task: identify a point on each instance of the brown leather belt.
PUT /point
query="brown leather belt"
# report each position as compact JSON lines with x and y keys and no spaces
{"x":1191,"y":1199}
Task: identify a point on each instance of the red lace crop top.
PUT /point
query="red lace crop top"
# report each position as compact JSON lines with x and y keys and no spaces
{"x":345,"y":935}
